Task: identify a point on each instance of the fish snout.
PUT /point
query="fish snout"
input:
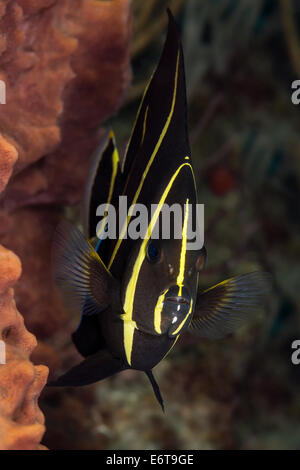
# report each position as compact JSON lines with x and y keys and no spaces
{"x":178,"y":300}
{"x":177,"y":306}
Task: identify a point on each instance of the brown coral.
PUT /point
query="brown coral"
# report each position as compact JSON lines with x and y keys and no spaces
{"x":65,"y":64}
{"x":67,"y":74}
{"x":21,"y":421}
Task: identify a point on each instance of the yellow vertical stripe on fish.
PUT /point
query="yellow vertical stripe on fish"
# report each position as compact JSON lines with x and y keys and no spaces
{"x":115,"y":162}
{"x":168,"y":352}
{"x":184,"y":320}
{"x":157,"y":312}
{"x":150,"y":161}
{"x":160,"y":303}
{"x":128,"y":331}
{"x":180,"y":277}
{"x":130,"y":290}
{"x":136,"y":119}
{"x":144,"y":125}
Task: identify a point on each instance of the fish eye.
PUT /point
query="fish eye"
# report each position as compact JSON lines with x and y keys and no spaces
{"x":153,"y":252}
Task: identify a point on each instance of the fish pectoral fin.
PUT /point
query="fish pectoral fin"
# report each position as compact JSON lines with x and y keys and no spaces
{"x":97,"y":367}
{"x":156,"y":389}
{"x":78,"y":271}
{"x":221,"y":309}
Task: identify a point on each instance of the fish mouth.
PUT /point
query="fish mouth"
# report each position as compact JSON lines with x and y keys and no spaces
{"x":174,"y":309}
{"x":178,"y":300}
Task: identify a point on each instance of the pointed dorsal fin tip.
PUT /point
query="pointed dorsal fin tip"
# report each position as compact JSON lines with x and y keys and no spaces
{"x":170,"y":14}
{"x":111,"y":134}
{"x":173,"y":25}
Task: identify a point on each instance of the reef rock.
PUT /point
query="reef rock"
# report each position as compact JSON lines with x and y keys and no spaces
{"x":21,"y":420}
{"x":66,"y":66}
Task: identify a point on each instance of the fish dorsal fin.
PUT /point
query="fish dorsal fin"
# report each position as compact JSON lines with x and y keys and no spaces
{"x":162,"y":112}
{"x":221,"y":309}
{"x":103,"y":182}
{"x":159,"y":144}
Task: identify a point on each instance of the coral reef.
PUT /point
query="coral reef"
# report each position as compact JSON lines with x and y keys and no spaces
{"x":66,"y":66}
{"x":21,"y":421}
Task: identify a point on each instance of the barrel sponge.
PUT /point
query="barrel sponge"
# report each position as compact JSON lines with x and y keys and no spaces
{"x":66,"y":67}
{"x":21,"y":420}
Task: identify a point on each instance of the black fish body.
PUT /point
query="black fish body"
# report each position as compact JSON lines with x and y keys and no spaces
{"x":149,"y":348}
{"x":137,"y":296}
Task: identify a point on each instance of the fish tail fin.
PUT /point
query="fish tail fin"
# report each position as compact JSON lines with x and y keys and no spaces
{"x":156,"y":389}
